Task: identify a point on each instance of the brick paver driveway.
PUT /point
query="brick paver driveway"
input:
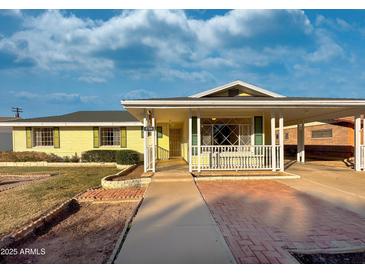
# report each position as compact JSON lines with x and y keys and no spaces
{"x":262,"y":220}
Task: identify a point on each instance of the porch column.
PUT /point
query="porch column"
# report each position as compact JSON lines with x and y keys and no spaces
{"x":190,"y":143}
{"x":273,"y":142}
{"x":300,"y":143}
{"x":154,"y":144}
{"x":357,"y":142}
{"x":199,"y":140}
{"x":281,"y":141}
{"x":145,"y":150}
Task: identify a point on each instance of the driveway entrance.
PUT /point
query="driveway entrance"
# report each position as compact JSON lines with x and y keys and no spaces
{"x":338,"y":185}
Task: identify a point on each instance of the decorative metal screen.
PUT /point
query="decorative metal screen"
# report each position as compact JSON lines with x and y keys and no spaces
{"x":43,"y":137}
{"x":110,"y":137}
{"x":226,"y":131}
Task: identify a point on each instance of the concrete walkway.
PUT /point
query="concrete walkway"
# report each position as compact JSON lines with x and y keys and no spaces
{"x":340,"y":186}
{"x":173,"y":224}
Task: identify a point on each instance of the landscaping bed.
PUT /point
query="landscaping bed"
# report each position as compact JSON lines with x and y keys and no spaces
{"x":339,"y":258}
{"x":86,"y":234}
{"x":134,"y":173}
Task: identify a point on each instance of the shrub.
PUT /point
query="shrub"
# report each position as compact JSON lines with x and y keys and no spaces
{"x":99,"y":156}
{"x":28,"y":156}
{"x":72,"y":159}
{"x":127,"y":157}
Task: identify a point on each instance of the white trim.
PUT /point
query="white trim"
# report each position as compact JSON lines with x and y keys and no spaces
{"x":145,"y":145}
{"x":273,"y":141}
{"x":190,"y":143}
{"x":68,"y":124}
{"x":199,"y":140}
{"x":281,"y":141}
{"x":357,"y":142}
{"x":235,"y":83}
{"x":230,"y":103}
{"x":154,"y":144}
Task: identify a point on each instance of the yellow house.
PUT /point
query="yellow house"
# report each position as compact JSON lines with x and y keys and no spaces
{"x":230,"y":127}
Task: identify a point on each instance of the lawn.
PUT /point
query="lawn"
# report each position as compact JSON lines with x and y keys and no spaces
{"x":21,"y":204}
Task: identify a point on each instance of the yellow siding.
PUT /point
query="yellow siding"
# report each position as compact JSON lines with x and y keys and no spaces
{"x":185,"y":140}
{"x":75,"y":140}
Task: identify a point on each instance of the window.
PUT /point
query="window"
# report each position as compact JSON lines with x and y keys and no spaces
{"x":142,"y":132}
{"x":43,"y":137}
{"x":226,"y":131}
{"x":323,"y":133}
{"x":110,"y":136}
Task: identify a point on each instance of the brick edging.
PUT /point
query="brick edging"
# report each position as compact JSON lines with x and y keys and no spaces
{"x":40,"y":222}
{"x":59,"y":164}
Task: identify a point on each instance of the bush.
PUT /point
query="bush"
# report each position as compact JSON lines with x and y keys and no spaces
{"x":127,"y":157}
{"x":72,"y":159}
{"x":99,"y":156}
{"x":28,"y":156}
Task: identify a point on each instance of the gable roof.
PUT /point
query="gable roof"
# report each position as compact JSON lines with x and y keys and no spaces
{"x":240,"y":84}
{"x":80,"y":118}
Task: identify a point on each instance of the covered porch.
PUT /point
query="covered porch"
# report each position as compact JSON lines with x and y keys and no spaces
{"x":234,"y":140}
{"x":238,"y":127}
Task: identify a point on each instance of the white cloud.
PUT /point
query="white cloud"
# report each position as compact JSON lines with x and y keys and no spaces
{"x":138,"y":94}
{"x":327,"y":49}
{"x":56,"y":97}
{"x":60,"y":42}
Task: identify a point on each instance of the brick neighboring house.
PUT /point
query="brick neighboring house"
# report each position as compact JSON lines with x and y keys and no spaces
{"x":327,"y":139}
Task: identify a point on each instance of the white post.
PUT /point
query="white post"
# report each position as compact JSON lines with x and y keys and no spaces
{"x":281,"y":141}
{"x":199,"y":140}
{"x":190,"y":143}
{"x":300,"y":143}
{"x":357,"y":141}
{"x":273,"y":143}
{"x":145,"y":156}
{"x":154,"y":145}
{"x":363,"y":130}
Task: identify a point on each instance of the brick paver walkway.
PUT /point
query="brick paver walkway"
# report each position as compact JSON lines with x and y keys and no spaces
{"x":131,"y":193}
{"x":261,"y":220}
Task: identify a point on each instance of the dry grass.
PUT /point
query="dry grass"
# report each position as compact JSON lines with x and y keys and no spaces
{"x":20,"y":205}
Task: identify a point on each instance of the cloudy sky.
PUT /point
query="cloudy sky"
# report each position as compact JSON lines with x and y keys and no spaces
{"x":54,"y":62}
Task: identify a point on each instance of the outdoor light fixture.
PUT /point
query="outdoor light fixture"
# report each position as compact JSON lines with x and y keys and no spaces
{"x":213,"y":119}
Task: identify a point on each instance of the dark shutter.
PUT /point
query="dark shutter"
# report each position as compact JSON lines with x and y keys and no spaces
{"x":259,"y":130}
{"x":194,"y":136}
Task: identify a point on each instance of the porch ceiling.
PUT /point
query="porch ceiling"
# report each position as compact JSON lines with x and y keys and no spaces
{"x":292,"y":116}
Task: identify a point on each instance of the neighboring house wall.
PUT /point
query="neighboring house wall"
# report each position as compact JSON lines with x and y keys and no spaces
{"x":339,"y":145}
{"x":75,"y":140}
{"x":6,"y":139}
{"x":341,"y":135}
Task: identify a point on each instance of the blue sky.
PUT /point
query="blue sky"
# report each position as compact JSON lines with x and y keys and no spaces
{"x":54,"y":62}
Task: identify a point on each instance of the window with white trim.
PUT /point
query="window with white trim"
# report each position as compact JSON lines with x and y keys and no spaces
{"x":43,"y":137}
{"x":226,"y":131}
{"x":110,"y":136}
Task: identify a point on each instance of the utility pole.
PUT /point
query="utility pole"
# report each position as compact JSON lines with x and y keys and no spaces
{"x":17,"y":111}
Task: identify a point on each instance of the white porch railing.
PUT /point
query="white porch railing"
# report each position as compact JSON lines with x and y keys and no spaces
{"x":234,"y":157}
{"x":362,"y":157}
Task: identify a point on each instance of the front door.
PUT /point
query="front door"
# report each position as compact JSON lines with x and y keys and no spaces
{"x":175,"y":143}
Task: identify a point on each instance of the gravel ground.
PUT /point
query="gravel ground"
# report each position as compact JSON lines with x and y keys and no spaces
{"x":87,"y":235}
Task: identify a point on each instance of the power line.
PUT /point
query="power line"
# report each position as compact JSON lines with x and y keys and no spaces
{"x":17,"y":111}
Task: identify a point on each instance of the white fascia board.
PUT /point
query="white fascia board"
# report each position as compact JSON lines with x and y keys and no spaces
{"x":239,"y":103}
{"x":68,"y":124}
{"x":241,"y":83}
